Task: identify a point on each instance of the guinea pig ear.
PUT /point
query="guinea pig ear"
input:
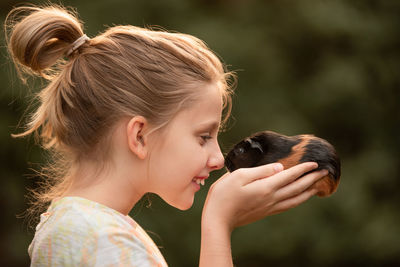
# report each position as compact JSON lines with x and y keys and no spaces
{"x":255,"y":144}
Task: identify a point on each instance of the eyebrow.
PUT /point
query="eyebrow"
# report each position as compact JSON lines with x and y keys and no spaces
{"x":212,"y":126}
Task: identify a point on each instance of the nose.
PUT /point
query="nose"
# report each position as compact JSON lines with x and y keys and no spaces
{"x":216,"y":160}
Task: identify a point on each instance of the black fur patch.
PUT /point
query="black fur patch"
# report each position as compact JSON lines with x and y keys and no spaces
{"x":320,"y":151}
{"x":274,"y":147}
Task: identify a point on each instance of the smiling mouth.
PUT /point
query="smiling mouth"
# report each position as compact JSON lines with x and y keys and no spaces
{"x":199,"y":181}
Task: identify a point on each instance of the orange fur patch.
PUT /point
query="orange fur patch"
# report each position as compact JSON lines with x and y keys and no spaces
{"x":326,"y":185}
{"x":297,"y":153}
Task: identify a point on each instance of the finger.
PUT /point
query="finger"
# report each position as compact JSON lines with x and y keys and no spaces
{"x":293,"y":201}
{"x":248,"y":175}
{"x":300,"y":185}
{"x":289,"y":175}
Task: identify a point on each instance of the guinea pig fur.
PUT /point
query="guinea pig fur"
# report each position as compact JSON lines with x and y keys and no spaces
{"x":269,"y":147}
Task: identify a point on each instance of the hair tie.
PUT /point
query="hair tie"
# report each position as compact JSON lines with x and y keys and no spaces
{"x":78,"y":42}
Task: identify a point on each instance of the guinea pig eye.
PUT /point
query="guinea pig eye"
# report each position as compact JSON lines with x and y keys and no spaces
{"x":239,"y":151}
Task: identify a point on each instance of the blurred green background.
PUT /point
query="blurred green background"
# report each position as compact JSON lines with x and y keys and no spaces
{"x":330,"y":68}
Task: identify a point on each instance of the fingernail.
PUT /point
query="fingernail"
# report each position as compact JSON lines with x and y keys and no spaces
{"x":278,"y":167}
{"x":325,"y":172}
{"x":315,"y":165}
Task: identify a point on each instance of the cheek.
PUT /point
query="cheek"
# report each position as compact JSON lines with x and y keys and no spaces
{"x":186,"y":158}
{"x":179,"y":154}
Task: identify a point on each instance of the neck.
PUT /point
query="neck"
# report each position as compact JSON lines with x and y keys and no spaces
{"x":111,"y":187}
{"x":118,"y":183}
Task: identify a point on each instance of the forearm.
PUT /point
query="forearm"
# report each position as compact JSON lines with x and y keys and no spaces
{"x":215,"y":245}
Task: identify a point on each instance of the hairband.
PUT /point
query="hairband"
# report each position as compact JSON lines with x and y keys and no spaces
{"x":78,"y":42}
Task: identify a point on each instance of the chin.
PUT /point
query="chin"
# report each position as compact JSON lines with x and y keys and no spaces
{"x":184,"y":207}
{"x":181,"y":204}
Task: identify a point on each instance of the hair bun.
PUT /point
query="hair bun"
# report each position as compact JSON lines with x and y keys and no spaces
{"x":38,"y":37}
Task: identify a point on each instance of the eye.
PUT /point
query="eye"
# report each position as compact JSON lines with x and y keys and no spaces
{"x":239,"y":151}
{"x":205,"y":138}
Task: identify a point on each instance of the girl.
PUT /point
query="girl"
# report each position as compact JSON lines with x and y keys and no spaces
{"x":125,"y":113}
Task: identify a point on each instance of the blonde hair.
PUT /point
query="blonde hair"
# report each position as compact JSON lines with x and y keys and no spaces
{"x":125,"y":71}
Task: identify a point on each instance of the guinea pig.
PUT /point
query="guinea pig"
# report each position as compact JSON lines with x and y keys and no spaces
{"x":269,"y":147}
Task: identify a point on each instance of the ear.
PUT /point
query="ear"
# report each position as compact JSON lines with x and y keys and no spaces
{"x":137,"y":140}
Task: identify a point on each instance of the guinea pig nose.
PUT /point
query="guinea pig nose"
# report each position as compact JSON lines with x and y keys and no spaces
{"x":229,"y":164}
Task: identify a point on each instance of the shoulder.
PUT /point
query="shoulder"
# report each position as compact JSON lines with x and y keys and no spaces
{"x":74,"y":223}
{"x":118,"y":245}
{"x":86,"y":232}
{"x":79,"y":218}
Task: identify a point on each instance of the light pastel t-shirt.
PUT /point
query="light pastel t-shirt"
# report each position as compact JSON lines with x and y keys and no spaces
{"x":78,"y":232}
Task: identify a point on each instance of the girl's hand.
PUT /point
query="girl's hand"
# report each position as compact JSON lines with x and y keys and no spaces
{"x":250,"y":194}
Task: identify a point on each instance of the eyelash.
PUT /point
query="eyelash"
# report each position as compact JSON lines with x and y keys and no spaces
{"x":205,"y":138}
